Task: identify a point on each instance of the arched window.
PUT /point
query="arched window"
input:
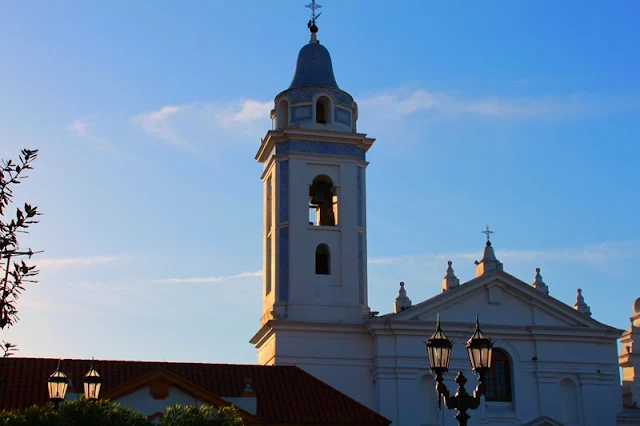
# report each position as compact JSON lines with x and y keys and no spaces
{"x":282,"y":114}
{"x":323,"y":110}
{"x":323,"y":260}
{"x":323,"y":202}
{"x":499,"y":377}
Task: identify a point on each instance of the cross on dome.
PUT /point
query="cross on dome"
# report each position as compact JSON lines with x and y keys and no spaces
{"x":312,"y":22}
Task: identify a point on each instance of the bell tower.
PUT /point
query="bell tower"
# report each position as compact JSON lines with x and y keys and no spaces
{"x":314,"y":234}
{"x":314,"y":292}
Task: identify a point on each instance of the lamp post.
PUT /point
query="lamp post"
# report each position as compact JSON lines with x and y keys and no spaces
{"x":92,"y":383}
{"x":57,"y":385}
{"x":479,"y":348}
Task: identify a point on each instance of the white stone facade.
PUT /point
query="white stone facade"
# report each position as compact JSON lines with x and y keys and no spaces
{"x":554,"y":364}
{"x":562,"y":363}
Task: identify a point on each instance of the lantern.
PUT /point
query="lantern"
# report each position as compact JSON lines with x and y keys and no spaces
{"x":92,"y":383}
{"x":57,"y":384}
{"x":439,"y":351}
{"x":479,"y":348}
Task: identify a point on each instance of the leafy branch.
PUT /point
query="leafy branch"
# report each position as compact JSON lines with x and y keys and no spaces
{"x":14,"y":271}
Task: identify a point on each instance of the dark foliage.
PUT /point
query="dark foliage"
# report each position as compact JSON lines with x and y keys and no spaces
{"x":79,"y":412}
{"x":14,"y":271}
{"x":84,"y":412}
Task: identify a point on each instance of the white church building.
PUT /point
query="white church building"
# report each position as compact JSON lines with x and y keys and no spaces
{"x":553,"y":363}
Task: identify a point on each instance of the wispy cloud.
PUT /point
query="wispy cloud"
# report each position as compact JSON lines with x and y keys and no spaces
{"x":245,"y":111}
{"x":158,"y":124}
{"x":189,"y":126}
{"x":67,"y":262}
{"x":80,"y":128}
{"x":403,"y":103}
{"x":209,"y":280}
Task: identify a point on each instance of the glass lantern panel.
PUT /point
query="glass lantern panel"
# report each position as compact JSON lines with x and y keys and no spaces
{"x":52,"y":390}
{"x":57,"y":390}
{"x":91,"y":390}
{"x":475,"y":356}
{"x":432,"y":361}
{"x":446,"y":357}
{"x":489,"y":355}
{"x":437,"y":355}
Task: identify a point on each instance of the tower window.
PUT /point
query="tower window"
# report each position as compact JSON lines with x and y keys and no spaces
{"x":323,"y":202}
{"x":267,"y":269}
{"x":323,"y":260}
{"x":269,"y":205}
{"x":499,"y":377}
{"x":282,"y":114}
{"x":323,"y":110}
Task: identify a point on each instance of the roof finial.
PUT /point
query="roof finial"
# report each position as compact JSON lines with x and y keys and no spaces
{"x":489,"y":262}
{"x":539,"y":284}
{"x":402,"y":301}
{"x":313,"y":28}
{"x":580,"y":304}
{"x":450,"y":280}
{"x":488,"y":233}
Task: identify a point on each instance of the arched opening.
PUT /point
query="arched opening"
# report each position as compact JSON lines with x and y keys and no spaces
{"x":499,"y":377}
{"x":323,"y":110}
{"x":323,"y":260}
{"x":569,"y":401}
{"x":323,"y":202}
{"x":282,"y":114}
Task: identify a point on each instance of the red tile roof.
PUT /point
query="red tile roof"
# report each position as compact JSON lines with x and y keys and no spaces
{"x":284,"y":394}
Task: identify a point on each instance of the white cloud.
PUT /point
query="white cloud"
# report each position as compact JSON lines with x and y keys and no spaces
{"x":80,"y":128}
{"x":189,"y":125}
{"x":403,"y":103}
{"x":66,"y":262}
{"x":158,"y":124}
{"x":209,"y":280}
{"x":245,"y":111}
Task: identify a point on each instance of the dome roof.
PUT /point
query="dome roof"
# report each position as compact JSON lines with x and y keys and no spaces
{"x":314,"y":68}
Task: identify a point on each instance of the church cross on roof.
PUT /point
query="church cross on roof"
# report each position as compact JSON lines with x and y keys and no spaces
{"x":488,"y":233}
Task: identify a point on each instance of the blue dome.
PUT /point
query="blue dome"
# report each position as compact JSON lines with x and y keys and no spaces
{"x":314,"y":68}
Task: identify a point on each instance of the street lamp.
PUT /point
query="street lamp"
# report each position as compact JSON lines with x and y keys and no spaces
{"x":57,"y":384}
{"x":479,"y":348}
{"x":92,"y":383}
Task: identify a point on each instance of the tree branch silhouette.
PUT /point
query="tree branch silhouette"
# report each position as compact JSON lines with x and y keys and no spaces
{"x":14,"y":271}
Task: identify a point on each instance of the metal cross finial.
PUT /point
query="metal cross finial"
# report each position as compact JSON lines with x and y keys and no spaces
{"x":314,"y":7}
{"x":487,"y":232}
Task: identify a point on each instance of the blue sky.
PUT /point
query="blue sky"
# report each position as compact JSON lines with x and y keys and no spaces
{"x":520,"y":115}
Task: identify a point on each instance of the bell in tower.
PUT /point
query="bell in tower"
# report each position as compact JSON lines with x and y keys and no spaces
{"x":322,"y":202}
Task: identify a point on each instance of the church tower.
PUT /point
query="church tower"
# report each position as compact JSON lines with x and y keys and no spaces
{"x":314,"y":199}
{"x":314,"y":289}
